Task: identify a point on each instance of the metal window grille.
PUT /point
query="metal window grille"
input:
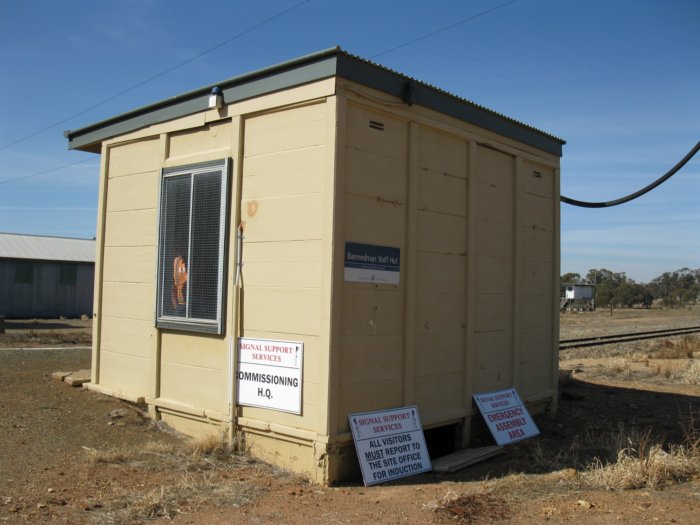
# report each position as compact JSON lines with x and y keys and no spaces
{"x":191,"y":247}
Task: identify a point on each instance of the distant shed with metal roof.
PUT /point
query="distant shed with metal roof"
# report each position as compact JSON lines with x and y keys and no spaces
{"x":46,"y":277}
{"x":320,"y":238}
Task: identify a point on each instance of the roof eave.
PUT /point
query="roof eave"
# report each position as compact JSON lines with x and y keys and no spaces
{"x":302,"y":70}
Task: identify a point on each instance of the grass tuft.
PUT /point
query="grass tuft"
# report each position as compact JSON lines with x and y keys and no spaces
{"x":213,"y":446}
{"x":619,"y":366}
{"x":683,"y":348}
{"x":198,"y":482}
{"x":643,"y":467}
{"x":691,"y":375}
{"x":169,"y":501}
{"x":642,"y":463}
{"x":195,"y":455}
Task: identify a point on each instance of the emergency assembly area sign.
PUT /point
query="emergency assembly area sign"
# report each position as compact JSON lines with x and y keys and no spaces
{"x":506,"y":416}
{"x":390,"y":444}
{"x":367,"y":263}
{"x":269,"y":374}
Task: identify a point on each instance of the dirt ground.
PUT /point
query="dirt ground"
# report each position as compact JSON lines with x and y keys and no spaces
{"x":38,"y":333}
{"x":68,"y":455}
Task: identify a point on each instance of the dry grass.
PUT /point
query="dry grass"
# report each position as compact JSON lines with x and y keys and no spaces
{"x":671,"y":372}
{"x":590,"y":445}
{"x":683,"y":348}
{"x":686,"y":372}
{"x":626,"y":459}
{"x":197,"y":481}
{"x":621,"y":460}
{"x":629,"y":459}
{"x":645,"y":466}
{"x":667,"y":361}
{"x":169,"y":501}
{"x":691,"y":376}
{"x":691,"y":431}
{"x":642,"y":463}
{"x":215,"y":446}
{"x":679,"y":356}
{"x":194,"y":455}
{"x":618,"y":366}
{"x":107,"y":456}
{"x":690,"y":344}
{"x":625,"y":320}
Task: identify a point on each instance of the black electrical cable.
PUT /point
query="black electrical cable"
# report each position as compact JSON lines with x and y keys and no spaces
{"x":442,"y":29}
{"x":6,"y":181}
{"x":646,"y":189}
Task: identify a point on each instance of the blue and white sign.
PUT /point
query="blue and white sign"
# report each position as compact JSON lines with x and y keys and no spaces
{"x":506,"y":416}
{"x":367,"y":263}
{"x":390,"y":444}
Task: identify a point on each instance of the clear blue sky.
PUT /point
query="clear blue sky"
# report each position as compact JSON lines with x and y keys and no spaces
{"x":618,"y":80}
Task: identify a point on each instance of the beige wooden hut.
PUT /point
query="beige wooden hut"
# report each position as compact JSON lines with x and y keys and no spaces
{"x":319,"y":161}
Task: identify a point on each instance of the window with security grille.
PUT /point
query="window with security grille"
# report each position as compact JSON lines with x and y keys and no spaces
{"x":191,"y":247}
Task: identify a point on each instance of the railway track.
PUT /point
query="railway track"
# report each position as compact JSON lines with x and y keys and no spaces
{"x":625,"y":338}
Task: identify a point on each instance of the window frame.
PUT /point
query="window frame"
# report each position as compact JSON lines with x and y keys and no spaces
{"x":189,"y":323}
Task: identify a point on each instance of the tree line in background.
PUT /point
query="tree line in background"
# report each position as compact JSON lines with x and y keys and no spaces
{"x":614,"y":289}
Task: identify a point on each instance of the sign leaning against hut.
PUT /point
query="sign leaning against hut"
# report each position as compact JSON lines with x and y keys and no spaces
{"x":390,"y":444}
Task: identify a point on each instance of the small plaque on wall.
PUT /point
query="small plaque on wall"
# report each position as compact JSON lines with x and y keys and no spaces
{"x":368,"y":263}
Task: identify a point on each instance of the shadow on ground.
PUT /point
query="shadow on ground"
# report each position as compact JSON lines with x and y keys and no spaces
{"x":593,"y":422}
{"x":40,"y":325}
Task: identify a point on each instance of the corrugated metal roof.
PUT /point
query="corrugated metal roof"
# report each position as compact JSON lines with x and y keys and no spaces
{"x":40,"y":248}
{"x":310,"y":68}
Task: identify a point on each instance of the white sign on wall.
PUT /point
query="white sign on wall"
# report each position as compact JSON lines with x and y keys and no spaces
{"x":269,"y":374}
{"x":506,"y":416}
{"x":390,"y":444}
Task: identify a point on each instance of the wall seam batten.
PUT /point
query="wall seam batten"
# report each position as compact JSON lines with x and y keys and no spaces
{"x":164,"y":146}
{"x":470,"y":291}
{"x":99,"y":264}
{"x":328,"y":289}
{"x":410,"y":258}
{"x":517,"y":269}
{"x":333,"y":417}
